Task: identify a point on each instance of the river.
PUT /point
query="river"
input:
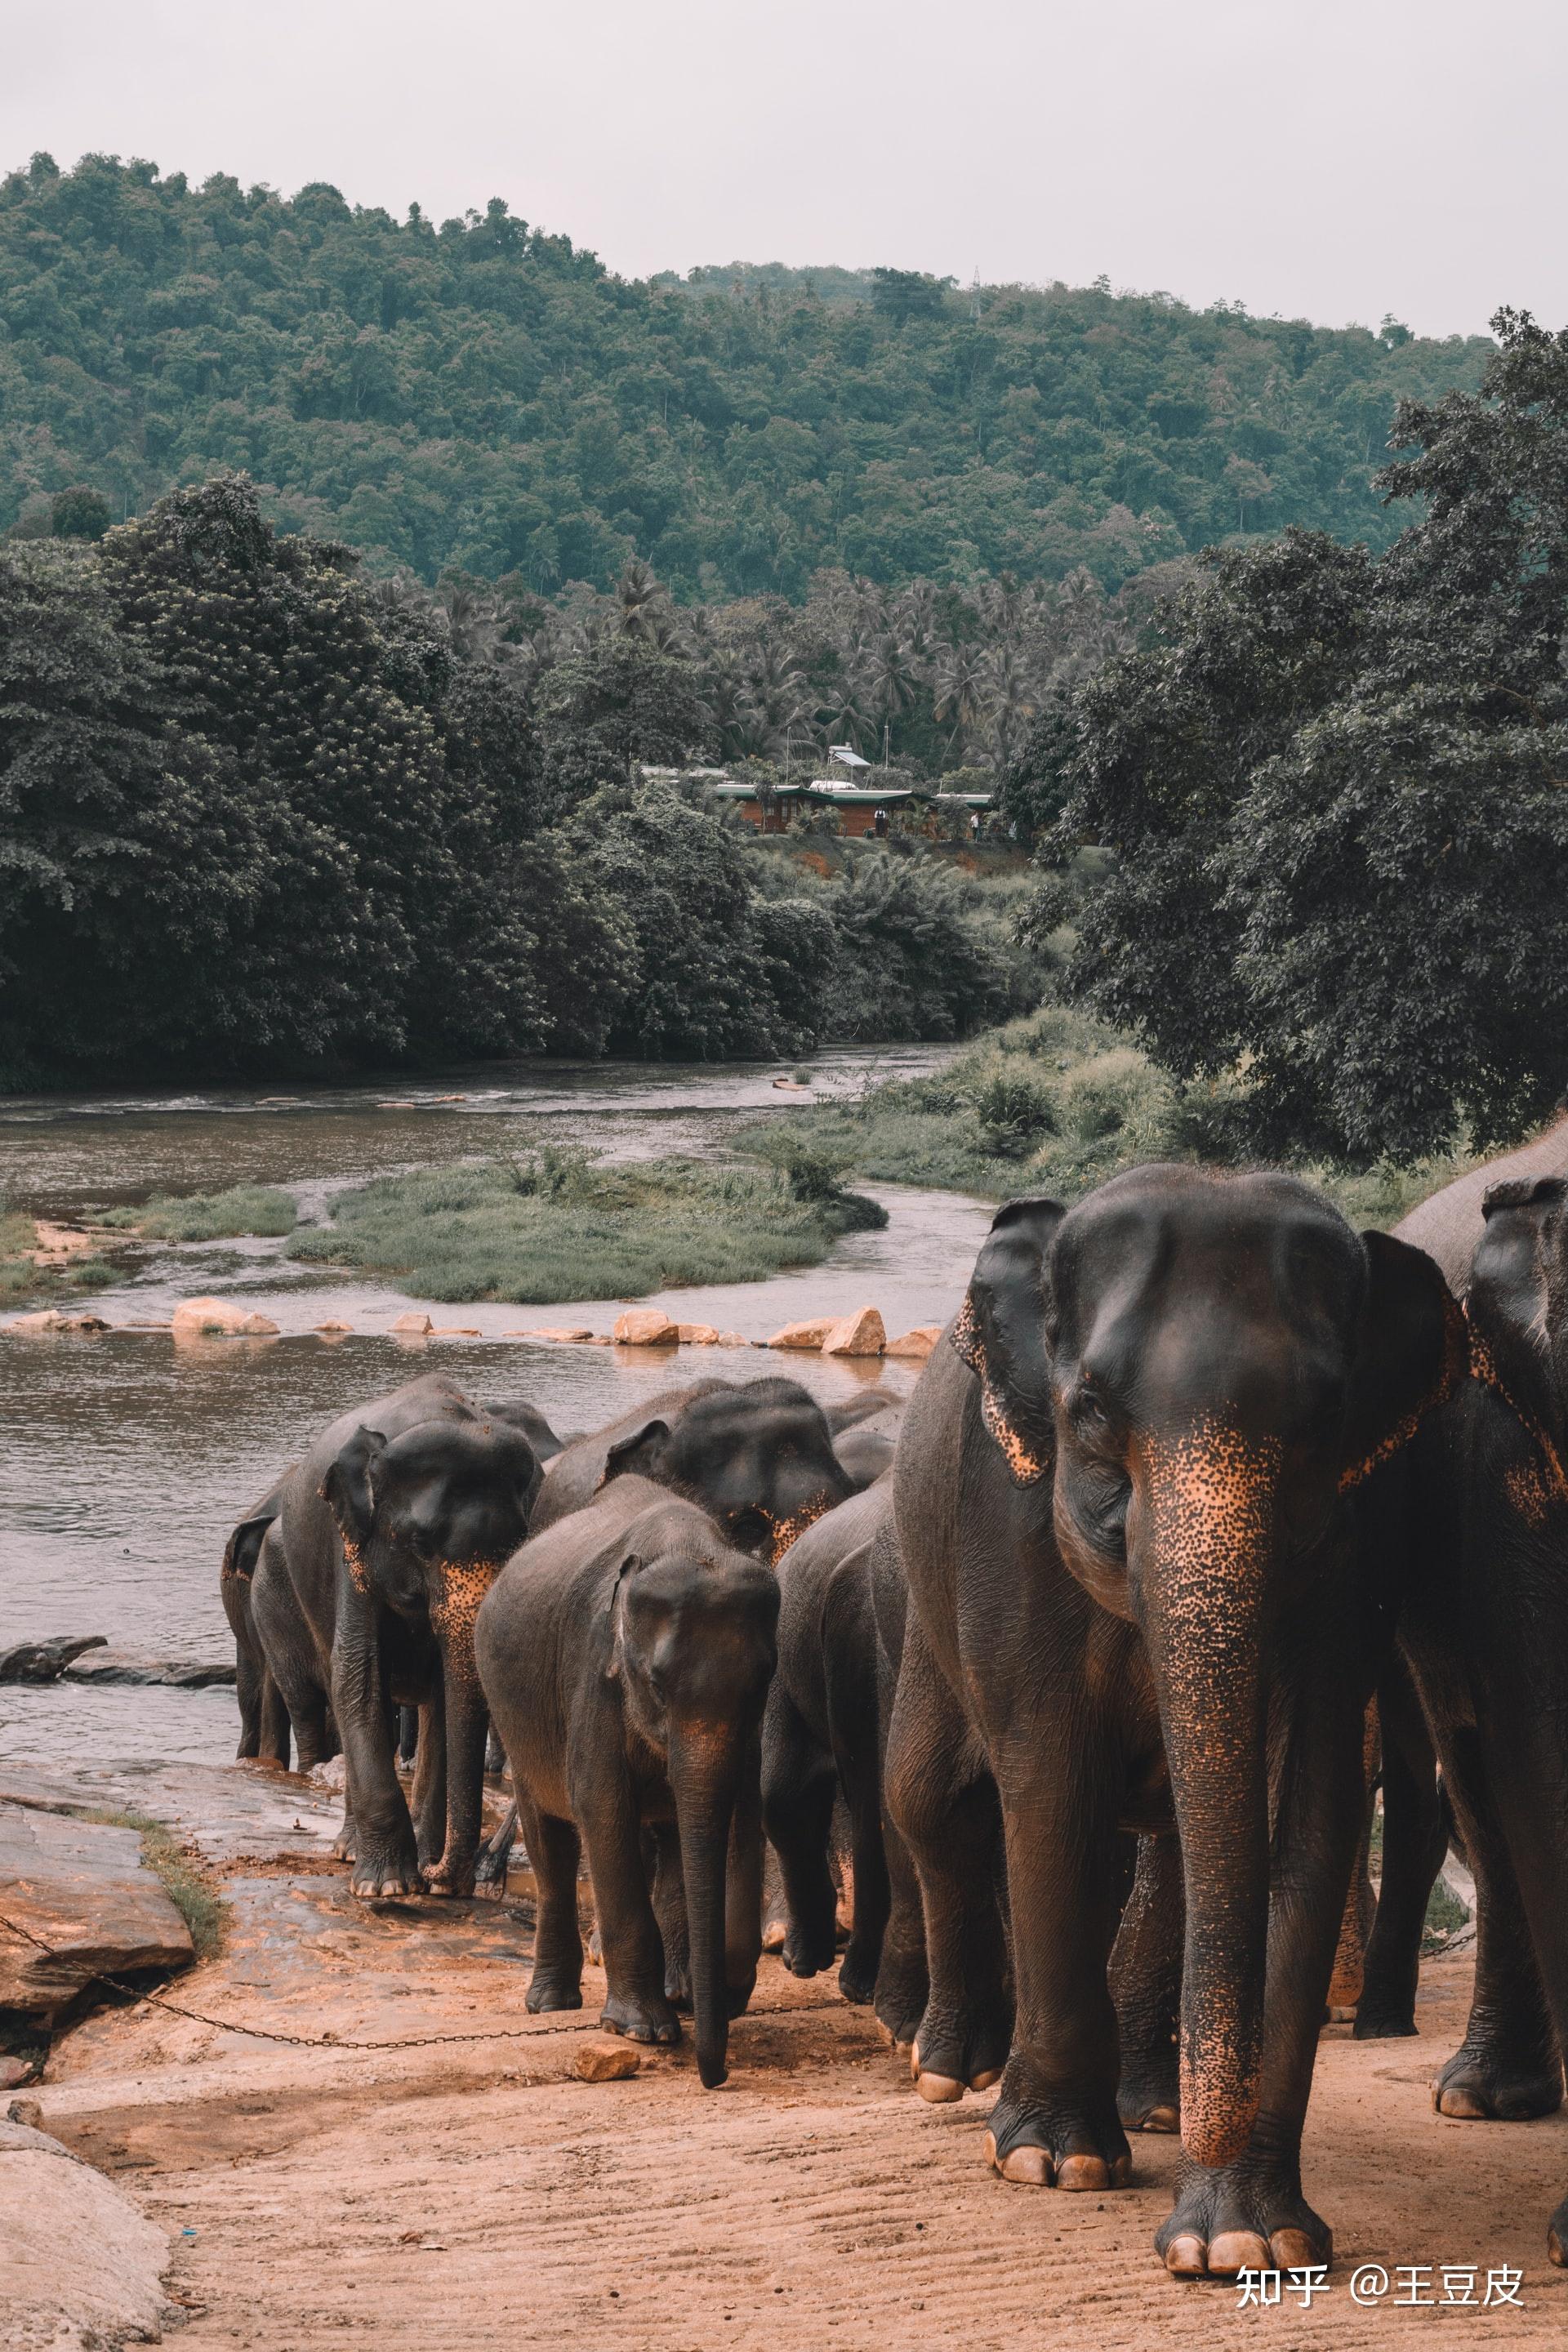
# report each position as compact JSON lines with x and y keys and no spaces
{"x":125,"y":1460}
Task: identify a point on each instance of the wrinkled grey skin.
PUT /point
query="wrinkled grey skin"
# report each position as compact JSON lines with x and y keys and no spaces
{"x":392,"y":1527}
{"x":756,"y":1454}
{"x":626,"y":1654}
{"x":822,"y":1739}
{"x":1486,"y":1633}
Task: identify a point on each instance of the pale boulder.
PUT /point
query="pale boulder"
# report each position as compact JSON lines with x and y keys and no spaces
{"x":647,"y":1327}
{"x":917,"y":1343}
{"x":698,"y":1335}
{"x":220,"y":1318}
{"x":83,"y":2265}
{"x":808,"y":1334}
{"x":413,"y":1326}
{"x":731,"y":1339}
{"x":860,"y":1334}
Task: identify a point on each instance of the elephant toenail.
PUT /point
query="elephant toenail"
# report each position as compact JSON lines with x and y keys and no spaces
{"x":1030,"y":2166}
{"x":982,"y":2081}
{"x":1083,"y":2172}
{"x":1293,"y":2250}
{"x":1161,"y":2120}
{"x":939,"y":2088}
{"x":1555,"y":2250}
{"x":1238,"y":2250}
{"x":1185,"y":2257}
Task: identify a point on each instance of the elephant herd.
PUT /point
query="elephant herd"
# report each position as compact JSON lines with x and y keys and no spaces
{"x":1207,"y":1517}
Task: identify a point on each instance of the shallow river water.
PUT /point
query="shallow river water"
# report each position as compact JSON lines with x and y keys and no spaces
{"x":124,"y":1459}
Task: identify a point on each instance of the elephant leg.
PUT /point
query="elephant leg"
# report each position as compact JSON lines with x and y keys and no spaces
{"x":249,"y":1678}
{"x":944,"y":1805}
{"x":1509,"y":2065}
{"x":407,"y":1737}
{"x":666,"y":1887}
{"x":489,"y":1871}
{"x":636,"y":2004}
{"x":744,"y":1890}
{"x":555,"y":1850}
{"x":430,"y":1795}
{"x":862,"y":1780}
{"x":1348,"y":1981}
{"x":385,"y":1858}
{"x":273,"y":1742}
{"x":1250,"y":2214}
{"x":903,"y":1981}
{"x":1415,"y":1839}
{"x":1146,"y":1988}
{"x":1054,"y":2123}
{"x":798,"y":1789}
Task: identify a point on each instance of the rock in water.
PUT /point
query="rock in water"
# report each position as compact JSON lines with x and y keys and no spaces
{"x":808,"y":1334}
{"x":647,"y":1327}
{"x":88,"y":1903}
{"x":44,"y":1662}
{"x":604,"y":2059}
{"x":82,"y":2265}
{"x":917,"y":1343}
{"x":219,"y":1318}
{"x":860,"y":1334}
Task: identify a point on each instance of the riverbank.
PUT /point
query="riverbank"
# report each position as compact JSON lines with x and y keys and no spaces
{"x":1055,"y":1103}
{"x":434,"y":2191}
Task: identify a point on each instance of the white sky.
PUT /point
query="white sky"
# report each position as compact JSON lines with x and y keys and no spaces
{"x":1335,"y":158}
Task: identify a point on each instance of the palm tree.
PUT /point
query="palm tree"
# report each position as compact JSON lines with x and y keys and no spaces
{"x":958,"y":677}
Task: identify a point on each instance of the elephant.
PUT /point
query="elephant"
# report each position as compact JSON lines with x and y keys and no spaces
{"x":626,"y":1654}
{"x":294,"y":1665}
{"x":1485,"y":1629}
{"x":392,"y":1528}
{"x":821,"y":1739}
{"x":865,"y":1456}
{"x":264,"y":1724}
{"x":1448,"y":1224}
{"x":1140,"y":1506}
{"x":757,"y":1455}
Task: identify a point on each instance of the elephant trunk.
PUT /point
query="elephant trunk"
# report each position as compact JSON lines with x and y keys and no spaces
{"x":1209,"y":1533}
{"x":705,"y":1772}
{"x":455,"y":1606}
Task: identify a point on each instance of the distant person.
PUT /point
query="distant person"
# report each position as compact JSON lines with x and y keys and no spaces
{"x":879,"y":825}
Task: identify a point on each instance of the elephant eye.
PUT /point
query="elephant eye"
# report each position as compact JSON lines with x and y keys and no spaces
{"x":1088,"y":1409}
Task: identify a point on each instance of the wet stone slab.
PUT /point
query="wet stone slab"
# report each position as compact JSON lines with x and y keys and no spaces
{"x":77,"y":1902}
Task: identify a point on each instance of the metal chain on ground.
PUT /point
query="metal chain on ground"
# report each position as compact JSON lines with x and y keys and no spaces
{"x":414,"y":2041}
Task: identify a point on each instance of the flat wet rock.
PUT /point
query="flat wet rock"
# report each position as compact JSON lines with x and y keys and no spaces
{"x":111,"y":1666}
{"x":77,"y":1902}
{"x":83,"y":2264}
{"x":44,"y":1662}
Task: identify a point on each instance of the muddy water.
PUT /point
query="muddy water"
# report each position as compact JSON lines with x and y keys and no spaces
{"x":124,"y":1459}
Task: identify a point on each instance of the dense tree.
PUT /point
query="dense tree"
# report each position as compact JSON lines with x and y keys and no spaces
{"x":1336,"y":796}
{"x":479,"y":395}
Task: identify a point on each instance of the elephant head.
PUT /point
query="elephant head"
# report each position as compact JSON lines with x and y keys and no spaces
{"x":1518,"y":1309}
{"x":1205,"y":1367}
{"x":693,"y":1648}
{"x":758,"y":1456}
{"x":427,"y":1519}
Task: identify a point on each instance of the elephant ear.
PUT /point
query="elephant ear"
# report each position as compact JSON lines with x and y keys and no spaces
{"x":1415,"y":1352}
{"x":244,"y":1546}
{"x":642,"y":1453}
{"x":1514,"y":1304}
{"x":628,"y":1565}
{"x":349,"y":1489}
{"x":1001,"y":1332}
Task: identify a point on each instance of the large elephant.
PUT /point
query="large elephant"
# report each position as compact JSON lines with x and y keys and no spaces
{"x":392,"y":1528}
{"x":757,"y":1455}
{"x":626,"y":1654}
{"x":1138,"y":1503}
{"x":264,"y":1724}
{"x":1486,"y":1631}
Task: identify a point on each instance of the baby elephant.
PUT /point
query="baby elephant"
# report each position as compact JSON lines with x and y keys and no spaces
{"x":625,"y":1655}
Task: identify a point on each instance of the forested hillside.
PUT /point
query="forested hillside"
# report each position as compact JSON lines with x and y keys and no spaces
{"x":482,"y":396}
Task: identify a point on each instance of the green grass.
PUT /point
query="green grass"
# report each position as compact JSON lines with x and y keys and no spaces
{"x":1055,"y":1103}
{"x":185,"y":1881}
{"x":209,"y":1216}
{"x":559,"y":1226}
{"x":23,"y":1283}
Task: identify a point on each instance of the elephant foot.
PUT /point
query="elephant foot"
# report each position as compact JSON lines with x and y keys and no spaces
{"x":390,"y":1869}
{"x":965,"y":2049}
{"x":1557,"y":2237}
{"x":1379,"y":2024}
{"x":858,"y":1976}
{"x":450,"y":1878}
{"x":640,"y":2018}
{"x":1249,"y":2215}
{"x":677,"y":1989}
{"x":557,"y":1988}
{"x":1041,"y":2144}
{"x":344,"y":1843}
{"x":900,"y":1996}
{"x":807,"y":1951}
{"x":1483,"y":2083}
{"x":1148,"y":2099}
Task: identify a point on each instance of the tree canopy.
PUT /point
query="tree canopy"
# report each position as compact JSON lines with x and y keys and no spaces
{"x":478,"y":394}
{"x":1335,"y":788}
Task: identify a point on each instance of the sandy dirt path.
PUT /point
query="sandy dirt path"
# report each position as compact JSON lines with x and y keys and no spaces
{"x":443,"y":2199}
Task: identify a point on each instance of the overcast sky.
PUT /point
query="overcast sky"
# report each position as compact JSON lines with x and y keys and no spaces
{"x":1334,"y":159}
